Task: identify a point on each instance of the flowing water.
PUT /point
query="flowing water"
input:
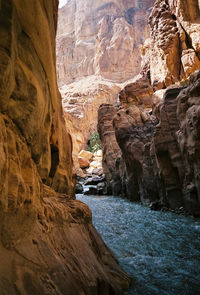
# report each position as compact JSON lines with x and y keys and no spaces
{"x":160,"y":250}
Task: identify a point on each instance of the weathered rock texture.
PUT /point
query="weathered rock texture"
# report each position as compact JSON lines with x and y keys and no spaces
{"x":161,"y":151}
{"x":134,"y":130}
{"x":101,"y":38}
{"x":81,"y":101}
{"x":158,"y":135}
{"x":47,"y":242}
{"x":113,"y":164}
{"x":175,"y":39}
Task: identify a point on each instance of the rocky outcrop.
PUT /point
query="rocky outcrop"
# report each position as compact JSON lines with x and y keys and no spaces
{"x":134,"y":130}
{"x":113,"y":164}
{"x":47,"y":242}
{"x":175,"y":39}
{"x":151,"y":130}
{"x":101,"y":38}
{"x":176,"y":146}
{"x":161,"y":150}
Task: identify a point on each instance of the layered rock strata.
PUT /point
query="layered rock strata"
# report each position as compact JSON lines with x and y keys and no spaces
{"x":101,"y":38}
{"x":47,"y":242}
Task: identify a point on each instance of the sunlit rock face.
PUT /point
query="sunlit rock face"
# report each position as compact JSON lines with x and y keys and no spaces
{"x":47,"y":242}
{"x":81,"y":101}
{"x":175,"y":39}
{"x":102,"y":38}
{"x":98,"y":45}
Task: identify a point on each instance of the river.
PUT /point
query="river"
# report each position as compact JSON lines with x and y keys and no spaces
{"x":160,"y":250}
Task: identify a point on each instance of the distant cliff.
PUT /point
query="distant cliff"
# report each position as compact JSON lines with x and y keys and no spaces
{"x":101,"y":38}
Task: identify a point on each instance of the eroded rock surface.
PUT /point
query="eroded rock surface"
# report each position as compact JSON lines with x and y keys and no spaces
{"x":175,"y":39}
{"x":101,"y":38}
{"x":47,"y":242}
{"x":161,"y":149}
{"x":81,"y":101}
{"x":113,"y":163}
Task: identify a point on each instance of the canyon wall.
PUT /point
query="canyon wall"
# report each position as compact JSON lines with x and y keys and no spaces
{"x":81,"y":101}
{"x":157,"y":128}
{"x":47,"y":242}
{"x":101,"y":38}
{"x":175,"y":50}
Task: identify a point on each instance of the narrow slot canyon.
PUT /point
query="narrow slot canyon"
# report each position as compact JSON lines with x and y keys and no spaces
{"x":99,"y":147}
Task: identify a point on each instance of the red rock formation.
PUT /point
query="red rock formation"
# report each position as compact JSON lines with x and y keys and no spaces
{"x":48,"y":244}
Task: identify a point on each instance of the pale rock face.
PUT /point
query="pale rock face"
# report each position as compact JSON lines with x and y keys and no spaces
{"x":81,"y":101}
{"x":101,"y":38}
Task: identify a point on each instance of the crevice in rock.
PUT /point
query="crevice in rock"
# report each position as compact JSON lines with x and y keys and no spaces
{"x":54,"y":160}
{"x":189,"y":42}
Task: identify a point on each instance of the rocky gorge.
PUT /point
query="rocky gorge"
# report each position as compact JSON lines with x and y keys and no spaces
{"x":148,"y":118}
{"x":127,"y":68}
{"x":156,"y":128}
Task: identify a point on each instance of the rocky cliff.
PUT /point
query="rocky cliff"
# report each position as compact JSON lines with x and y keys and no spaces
{"x":98,"y":46}
{"x":174,"y":52}
{"x":113,"y":164}
{"x":47,"y":242}
{"x":101,"y":38}
{"x":157,"y":134}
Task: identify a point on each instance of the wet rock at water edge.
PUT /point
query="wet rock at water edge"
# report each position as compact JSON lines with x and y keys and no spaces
{"x":92,"y":190}
{"x":79,"y":188}
{"x":156,"y":205}
{"x":102,"y":188}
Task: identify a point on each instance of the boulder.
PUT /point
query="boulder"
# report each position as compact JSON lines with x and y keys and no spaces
{"x":85,"y":155}
{"x":83,"y":162}
{"x":78,"y":188}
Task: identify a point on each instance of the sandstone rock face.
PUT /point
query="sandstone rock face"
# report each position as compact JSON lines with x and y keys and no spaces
{"x":175,"y":39}
{"x":81,"y":101}
{"x":176,"y":143}
{"x":161,"y":150}
{"x":134,"y":130}
{"x":48,"y":244}
{"x":113,"y":163}
{"x":101,"y":38}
